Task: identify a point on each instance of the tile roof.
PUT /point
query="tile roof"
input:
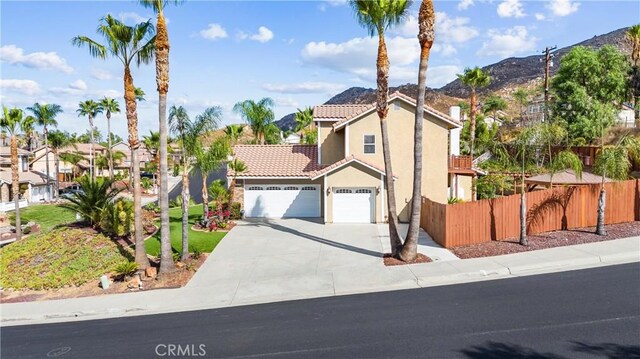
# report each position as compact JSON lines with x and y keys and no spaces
{"x":566,"y":177}
{"x":342,"y":162}
{"x":83,"y":148}
{"x":340,"y":111}
{"x":5,"y":151}
{"x":348,"y":112}
{"x":278,"y":160}
{"x":29,"y":176}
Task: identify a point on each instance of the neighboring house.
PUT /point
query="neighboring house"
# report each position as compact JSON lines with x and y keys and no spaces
{"x":626,"y":116}
{"x":292,"y":139}
{"x":534,"y":112}
{"x":33,"y":184}
{"x":342,"y":178}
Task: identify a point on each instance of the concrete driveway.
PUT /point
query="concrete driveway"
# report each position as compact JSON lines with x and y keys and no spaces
{"x":299,"y":258}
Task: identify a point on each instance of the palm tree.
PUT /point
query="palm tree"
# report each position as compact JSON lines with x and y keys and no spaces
{"x":139,"y":93}
{"x":132,"y":45}
{"x":91,"y":202}
{"x":234,"y":132}
{"x":493,"y":104}
{"x":562,"y":161}
{"x":633,"y":34}
{"x":57,"y":140}
{"x":12,"y":123}
{"x":426,"y":36}
{"x":103,"y":161}
{"x":474,"y":78}
{"x":45,"y":116}
{"x":207,"y":161}
{"x":152,"y":144}
{"x":259,"y":115}
{"x":189,"y":134}
{"x":522,"y":99}
{"x":109,"y":106}
{"x":304,"y":120}
{"x":162,"y":80}
{"x":377,"y":16}
{"x":90,"y":109}
{"x":72,"y":158}
{"x":238,"y":167}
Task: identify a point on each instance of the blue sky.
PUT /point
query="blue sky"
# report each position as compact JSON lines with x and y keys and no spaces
{"x":300,"y":53}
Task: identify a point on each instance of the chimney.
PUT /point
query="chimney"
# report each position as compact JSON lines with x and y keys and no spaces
{"x":454,"y":134}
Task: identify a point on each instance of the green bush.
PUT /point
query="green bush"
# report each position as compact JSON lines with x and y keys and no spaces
{"x":454,"y":200}
{"x":118,"y":218}
{"x":235,"y":211}
{"x":196,"y":252}
{"x":126,"y":269}
{"x":146,"y":183}
{"x":92,"y":200}
{"x":178,"y":202}
{"x":153,"y":206}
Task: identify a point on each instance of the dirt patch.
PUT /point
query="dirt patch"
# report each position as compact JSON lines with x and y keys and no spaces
{"x":548,"y":240}
{"x":175,"y":279}
{"x":390,"y":261}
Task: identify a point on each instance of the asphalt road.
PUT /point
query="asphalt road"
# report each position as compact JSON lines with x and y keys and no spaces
{"x":578,"y":314}
{"x":195,"y":184}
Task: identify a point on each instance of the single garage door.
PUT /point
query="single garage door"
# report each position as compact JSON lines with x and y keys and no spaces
{"x":277,"y":201}
{"x":353,"y":205}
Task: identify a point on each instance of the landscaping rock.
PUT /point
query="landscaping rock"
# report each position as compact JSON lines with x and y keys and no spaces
{"x":5,"y":235}
{"x":135,"y":283}
{"x":151,"y":272}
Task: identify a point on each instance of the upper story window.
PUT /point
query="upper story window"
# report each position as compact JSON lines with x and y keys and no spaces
{"x":396,"y":106}
{"x":369,"y":144}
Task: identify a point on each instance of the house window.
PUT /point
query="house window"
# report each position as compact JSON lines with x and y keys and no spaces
{"x":363,"y":190}
{"x":307,"y":188}
{"x":344,"y":190}
{"x":254,"y":188}
{"x":291,"y":188}
{"x":396,"y":106}
{"x":369,"y":144}
{"x":273,"y":188}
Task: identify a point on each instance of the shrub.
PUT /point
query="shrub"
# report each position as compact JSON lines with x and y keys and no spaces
{"x":146,"y":183}
{"x":235,"y":211}
{"x":178,"y":202}
{"x":91,"y":201}
{"x":118,"y":218}
{"x":153,"y":207}
{"x":176,"y":257}
{"x":454,"y":200}
{"x":196,"y":252}
{"x":126,"y":269}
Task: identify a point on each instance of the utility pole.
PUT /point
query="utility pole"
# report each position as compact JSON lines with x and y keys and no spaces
{"x":547,"y":66}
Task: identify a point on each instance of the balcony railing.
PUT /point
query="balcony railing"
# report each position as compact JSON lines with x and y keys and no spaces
{"x":460,"y":162}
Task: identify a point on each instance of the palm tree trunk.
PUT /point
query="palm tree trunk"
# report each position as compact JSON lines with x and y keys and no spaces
{"x":15,"y":184}
{"x":426,"y":37}
{"x":57,"y":161}
{"x":205,"y":194}
{"x":185,"y":211}
{"x":382,"y":109}
{"x":109,"y":143}
{"x":523,"y":207}
{"x":472,"y":134}
{"x":92,"y":171}
{"x":132,"y":124}
{"x":46,"y":156}
{"x":602,"y":199}
{"x":232,"y":187}
{"x":166,"y":258}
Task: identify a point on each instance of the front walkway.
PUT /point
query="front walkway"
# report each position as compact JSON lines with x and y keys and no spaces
{"x":278,"y":260}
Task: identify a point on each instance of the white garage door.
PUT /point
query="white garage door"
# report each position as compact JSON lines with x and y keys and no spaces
{"x":277,"y":201}
{"x":353,"y":205}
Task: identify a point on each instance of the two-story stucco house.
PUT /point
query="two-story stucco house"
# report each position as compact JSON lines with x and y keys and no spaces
{"x":33,"y":184}
{"x":342,"y":178}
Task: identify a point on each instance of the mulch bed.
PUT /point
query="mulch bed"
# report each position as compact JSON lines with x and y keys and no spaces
{"x":229,"y":227}
{"x":175,"y":279}
{"x":547,"y":240}
{"x":390,"y":261}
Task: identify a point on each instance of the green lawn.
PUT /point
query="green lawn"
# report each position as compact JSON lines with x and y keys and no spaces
{"x":46,"y":216}
{"x":204,"y":241}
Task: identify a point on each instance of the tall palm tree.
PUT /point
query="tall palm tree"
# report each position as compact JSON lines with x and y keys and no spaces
{"x":238,"y":167}
{"x":633,"y":34}
{"x":162,"y":80}
{"x":57,"y":140}
{"x":132,"y":45}
{"x":91,"y":109}
{"x":377,"y":16}
{"x":234,"y":132}
{"x":474,"y":78}
{"x":259,"y":115}
{"x":109,"y":106}
{"x":207,"y":161}
{"x":189,"y":134}
{"x":45,"y":116}
{"x":304,"y":120}
{"x":12,"y":123}
{"x":426,"y":36}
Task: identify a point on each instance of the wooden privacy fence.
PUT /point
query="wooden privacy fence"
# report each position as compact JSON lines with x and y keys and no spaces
{"x":548,"y":210}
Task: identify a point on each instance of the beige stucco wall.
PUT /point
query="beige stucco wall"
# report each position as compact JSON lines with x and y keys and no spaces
{"x":354,"y":175}
{"x":331,"y":143}
{"x":401,"y":126}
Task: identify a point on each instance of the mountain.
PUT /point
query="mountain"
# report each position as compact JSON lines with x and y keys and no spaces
{"x":516,"y":71}
{"x":507,"y":75}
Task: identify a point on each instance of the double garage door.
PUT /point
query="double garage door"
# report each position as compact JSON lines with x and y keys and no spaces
{"x":278,"y":201}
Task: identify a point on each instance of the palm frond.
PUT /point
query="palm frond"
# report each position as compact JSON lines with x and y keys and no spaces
{"x":95,"y":49}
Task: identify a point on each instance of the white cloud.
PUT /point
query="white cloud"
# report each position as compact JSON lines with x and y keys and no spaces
{"x":539,"y":16}
{"x":213,"y":32}
{"x":37,"y":60}
{"x":334,"y":3}
{"x":134,"y":17}
{"x":263,"y":35}
{"x":508,"y":43}
{"x":438,"y":76}
{"x":448,"y":29}
{"x":511,"y":8}
{"x":444,"y":49}
{"x":27,"y":87}
{"x":305,"y":87}
{"x":465,"y":4}
{"x":78,"y":85}
{"x":563,"y":7}
{"x":101,"y":74}
{"x":286,"y":102}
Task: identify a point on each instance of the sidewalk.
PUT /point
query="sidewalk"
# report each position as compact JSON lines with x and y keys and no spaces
{"x":217,"y":290}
